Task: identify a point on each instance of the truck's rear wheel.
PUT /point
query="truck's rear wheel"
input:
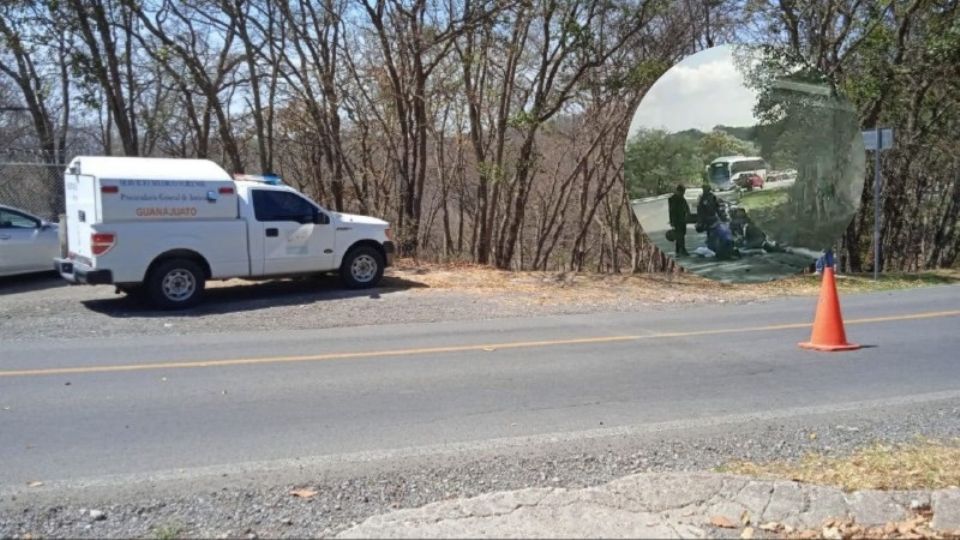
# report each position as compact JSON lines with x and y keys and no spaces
{"x":362,"y":268}
{"x":176,"y":284}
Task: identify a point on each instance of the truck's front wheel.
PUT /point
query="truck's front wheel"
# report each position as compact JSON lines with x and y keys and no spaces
{"x":176,"y":284}
{"x":362,"y":268}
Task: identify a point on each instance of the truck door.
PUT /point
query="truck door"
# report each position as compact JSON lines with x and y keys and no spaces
{"x":81,"y":205}
{"x":297,"y":237}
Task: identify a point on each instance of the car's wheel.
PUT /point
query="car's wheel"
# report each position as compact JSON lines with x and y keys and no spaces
{"x":362,"y":268}
{"x":176,"y":284}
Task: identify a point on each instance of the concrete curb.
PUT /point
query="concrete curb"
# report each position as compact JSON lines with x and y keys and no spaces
{"x":664,"y":505}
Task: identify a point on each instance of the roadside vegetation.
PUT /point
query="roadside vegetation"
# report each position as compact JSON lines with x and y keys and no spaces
{"x":168,"y":532}
{"x":922,"y":464}
{"x":657,"y":287}
{"x":763,"y":199}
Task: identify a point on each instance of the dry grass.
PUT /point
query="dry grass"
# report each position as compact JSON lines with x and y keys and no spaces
{"x":571,"y":287}
{"x":925,"y":464}
{"x":560,"y":288}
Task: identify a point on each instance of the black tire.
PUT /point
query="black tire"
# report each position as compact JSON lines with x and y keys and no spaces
{"x":362,"y":268}
{"x":176,"y":284}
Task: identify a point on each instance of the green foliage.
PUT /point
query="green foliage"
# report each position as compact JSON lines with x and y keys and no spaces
{"x":523,"y":120}
{"x":654,"y":162}
{"x":744,"y":133}
{"x":720,"y":143}
{"x":639,"y":77}
{"x":490,"y":171}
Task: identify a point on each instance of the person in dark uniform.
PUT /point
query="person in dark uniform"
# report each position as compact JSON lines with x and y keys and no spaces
{"x":679,"y":211}
{"x":708,"y":216}
{"x":708,"y":208}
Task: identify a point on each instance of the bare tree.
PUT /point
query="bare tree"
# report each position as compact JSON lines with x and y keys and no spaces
{"x":208,"y":62}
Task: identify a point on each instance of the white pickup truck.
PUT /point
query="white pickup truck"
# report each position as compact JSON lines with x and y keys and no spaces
{"x":163,"y":227}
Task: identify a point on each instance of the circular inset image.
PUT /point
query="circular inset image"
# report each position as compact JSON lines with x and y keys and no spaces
{"x":743,"y":164}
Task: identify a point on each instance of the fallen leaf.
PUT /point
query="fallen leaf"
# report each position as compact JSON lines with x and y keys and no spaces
{"x":771,"y":526}
{"x":489,"y":349}
{"x":303,"y":493}
{"x":831,"y":533}
{"x":722,"y":522}
{"x":745,"y":517}
{"x":813,"y":436}
{"x":905,"y":528}
{"x":747,"y":533}
{"x":35,"y":484}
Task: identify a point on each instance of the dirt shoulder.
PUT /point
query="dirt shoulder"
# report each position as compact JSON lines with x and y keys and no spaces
{"x":44,"y":307}
{"x":570,"y":287}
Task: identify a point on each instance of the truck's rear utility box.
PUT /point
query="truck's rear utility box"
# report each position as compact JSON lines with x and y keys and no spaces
{"x":105,"y":190}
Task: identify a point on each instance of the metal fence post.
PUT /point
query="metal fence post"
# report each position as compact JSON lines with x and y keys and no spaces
{"x":876,"y":206}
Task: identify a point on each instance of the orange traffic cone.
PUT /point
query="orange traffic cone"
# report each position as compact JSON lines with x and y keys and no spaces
{"x":828,"y":333}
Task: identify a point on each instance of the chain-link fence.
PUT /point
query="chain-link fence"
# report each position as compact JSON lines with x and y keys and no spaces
{"x":34,"y":187}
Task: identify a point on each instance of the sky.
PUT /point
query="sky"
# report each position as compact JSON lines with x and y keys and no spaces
{"x":701,"y":91}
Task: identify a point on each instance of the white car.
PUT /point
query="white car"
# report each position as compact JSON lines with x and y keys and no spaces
{"x":27,"y":243}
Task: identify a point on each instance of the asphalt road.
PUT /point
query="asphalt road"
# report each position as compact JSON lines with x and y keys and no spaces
{"x":83,"y":408}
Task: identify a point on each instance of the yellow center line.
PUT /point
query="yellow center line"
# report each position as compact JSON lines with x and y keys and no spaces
{"x":450,"y":349}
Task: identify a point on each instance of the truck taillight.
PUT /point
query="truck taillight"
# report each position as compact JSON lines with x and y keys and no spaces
{"x":102,"y":242}
{"x":110,"y":189}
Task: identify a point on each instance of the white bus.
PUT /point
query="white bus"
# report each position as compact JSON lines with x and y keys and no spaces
{"x":724,"y":172}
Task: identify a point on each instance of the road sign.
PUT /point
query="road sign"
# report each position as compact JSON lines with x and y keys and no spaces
{"x":871,"y":141}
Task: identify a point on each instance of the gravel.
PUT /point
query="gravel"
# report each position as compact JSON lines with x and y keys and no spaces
{"x":63,"y":312}
{"x":43,"y":307}
{"x":347,"y":496}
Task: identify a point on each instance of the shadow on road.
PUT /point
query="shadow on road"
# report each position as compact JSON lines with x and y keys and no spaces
{"x":31,"y":282}
{"x":251,"y":296}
